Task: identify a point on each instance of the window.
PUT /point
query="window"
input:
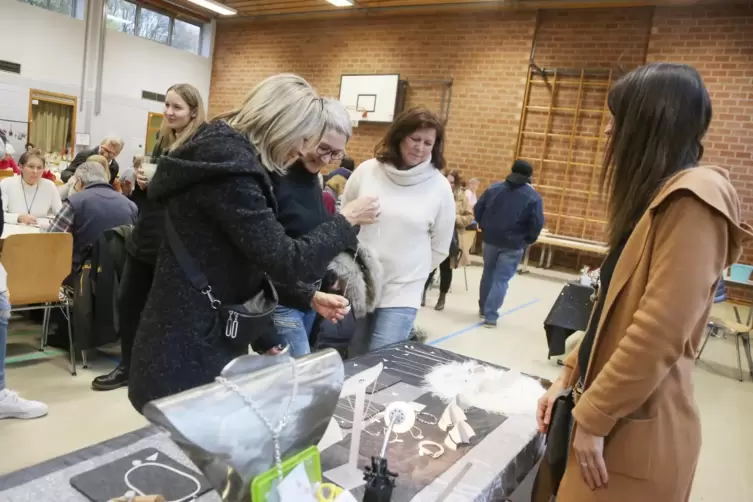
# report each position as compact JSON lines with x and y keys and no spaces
{"x":186,"y":36}
{"x":154,"y":26}
{"x":61,"y":6}
{"x":121,"y":16}
{"x":130,"y":17}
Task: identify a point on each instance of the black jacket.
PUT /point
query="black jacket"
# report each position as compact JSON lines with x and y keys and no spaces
{"x":221,"y":204}
{"x":81,"y":157}
{"x":300,"y":210}
{"x":149,"y":230}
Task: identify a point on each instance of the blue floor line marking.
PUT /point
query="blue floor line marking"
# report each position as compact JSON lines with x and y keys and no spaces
{"x":480,"y":323}
{"x":110,"y":357}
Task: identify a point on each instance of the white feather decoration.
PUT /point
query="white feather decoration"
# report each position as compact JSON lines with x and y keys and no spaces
{"x":480,"y":386}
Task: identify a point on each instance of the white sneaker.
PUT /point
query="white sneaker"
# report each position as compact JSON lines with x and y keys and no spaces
{"x":14,"y":406}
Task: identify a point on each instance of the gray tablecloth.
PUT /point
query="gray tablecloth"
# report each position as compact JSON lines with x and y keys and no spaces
{"x":499,"y":461}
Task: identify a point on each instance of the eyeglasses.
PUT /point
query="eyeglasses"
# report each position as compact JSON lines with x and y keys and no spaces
{"x":323,"y":151}
{"x":106,"y":150}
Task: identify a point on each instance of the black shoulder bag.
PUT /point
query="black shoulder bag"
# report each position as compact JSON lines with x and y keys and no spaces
{"x":244,"y":323}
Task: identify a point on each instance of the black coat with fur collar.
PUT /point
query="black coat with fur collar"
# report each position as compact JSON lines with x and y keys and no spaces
{"x":222,"y":206}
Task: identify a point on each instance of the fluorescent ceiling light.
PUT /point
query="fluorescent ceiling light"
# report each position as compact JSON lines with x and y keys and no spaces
{"x":217,"y":7}
{"x":341,"y":3}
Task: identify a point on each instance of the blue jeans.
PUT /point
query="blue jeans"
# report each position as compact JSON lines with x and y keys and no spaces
{"x":386,"y":326}
{"x":4,"y":317}
{"x":500,"y":266}
{"x":295,"y":326}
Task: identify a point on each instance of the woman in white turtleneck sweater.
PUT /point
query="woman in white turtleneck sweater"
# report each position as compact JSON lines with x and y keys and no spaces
{"x":30,"y":199}
{"x":414,"y":230}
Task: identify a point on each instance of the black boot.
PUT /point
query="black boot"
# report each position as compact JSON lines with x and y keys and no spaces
{"x":440,"y":302}
{"x":115,"y":379}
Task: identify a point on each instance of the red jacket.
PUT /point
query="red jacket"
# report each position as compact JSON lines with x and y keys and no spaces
{"x":47,"y":174}
{"x":9,"y":163}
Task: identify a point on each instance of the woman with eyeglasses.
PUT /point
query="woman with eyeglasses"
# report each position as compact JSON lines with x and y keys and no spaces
{"x":30,"y":199}
{"x":301,"y":209}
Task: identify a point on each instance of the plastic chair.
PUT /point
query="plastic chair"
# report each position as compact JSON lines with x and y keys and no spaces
{"x":37,"y":264}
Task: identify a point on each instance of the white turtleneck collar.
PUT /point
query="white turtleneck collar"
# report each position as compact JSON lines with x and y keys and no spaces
{"x":408,"y":177}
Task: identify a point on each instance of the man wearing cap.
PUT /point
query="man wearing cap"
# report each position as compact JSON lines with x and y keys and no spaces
{"x":511,"y":216}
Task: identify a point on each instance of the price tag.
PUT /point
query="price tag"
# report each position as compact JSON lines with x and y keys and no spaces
{"x":296,"y":486}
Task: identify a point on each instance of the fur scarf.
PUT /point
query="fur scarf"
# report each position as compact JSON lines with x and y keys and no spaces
{"x":361,"y":275}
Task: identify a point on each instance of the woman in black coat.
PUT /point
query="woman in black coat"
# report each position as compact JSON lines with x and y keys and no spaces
{"x":184,"y":113}
{"x":217,"y":192}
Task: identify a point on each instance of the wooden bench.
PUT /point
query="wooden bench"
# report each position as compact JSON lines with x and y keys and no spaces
{"x":550,"y":241}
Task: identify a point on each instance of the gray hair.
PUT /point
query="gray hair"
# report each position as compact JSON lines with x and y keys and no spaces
{"x":277,"y":115}
{"x":337,"y":118}
{"x":116,"y":141}
{"x":90,"y":173}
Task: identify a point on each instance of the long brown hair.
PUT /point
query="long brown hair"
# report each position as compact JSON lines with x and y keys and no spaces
{"x":388,"y":150}
{"x":168,"y":140}
{"x":660,"y":113}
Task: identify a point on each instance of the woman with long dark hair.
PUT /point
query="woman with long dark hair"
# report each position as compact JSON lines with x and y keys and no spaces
{"x":673,"y":226}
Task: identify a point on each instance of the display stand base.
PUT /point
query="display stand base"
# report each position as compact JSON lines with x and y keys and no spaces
{"x":346,"y":476}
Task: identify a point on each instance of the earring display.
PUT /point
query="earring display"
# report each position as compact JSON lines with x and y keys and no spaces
{"x":424,"y":451}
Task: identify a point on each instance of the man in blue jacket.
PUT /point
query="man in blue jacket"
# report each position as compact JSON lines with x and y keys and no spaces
{"x":511,"y":216}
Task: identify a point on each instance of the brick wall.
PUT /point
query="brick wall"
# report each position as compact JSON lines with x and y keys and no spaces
{"x":487,"y":55}
{"x":719,"y":43}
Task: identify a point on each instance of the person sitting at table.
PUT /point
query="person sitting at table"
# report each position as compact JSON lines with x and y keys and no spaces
{"x":29,"y":147}
{"x":110,"y":148}
{"x":70,"y":186}
{"x":7,"y":162}
{"x":93,"y":208}
{"x":29,"y":199}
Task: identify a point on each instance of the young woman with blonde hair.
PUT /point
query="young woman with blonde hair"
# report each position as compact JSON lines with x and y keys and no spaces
{"x":184,"y":114}
{"x":220,"y":202}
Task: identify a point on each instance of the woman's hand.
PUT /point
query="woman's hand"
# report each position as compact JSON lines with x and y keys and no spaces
{"x":27,"y":219}
{"x":589,"y":450}
{"x":331,"y":307}
{"x":362,"y":211}
{"x":544,"y":411}
{"x":141,"y":180}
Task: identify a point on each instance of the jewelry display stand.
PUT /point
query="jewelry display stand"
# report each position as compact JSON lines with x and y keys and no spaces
{"x":348,"y":476}
{"x":227,"y":439}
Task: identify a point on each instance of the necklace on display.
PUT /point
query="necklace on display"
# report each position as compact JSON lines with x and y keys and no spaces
{"x":274,"y":430}
{"x":23,"y":191}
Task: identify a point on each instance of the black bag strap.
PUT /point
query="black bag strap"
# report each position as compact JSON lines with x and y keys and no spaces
{"x":186,"y":262}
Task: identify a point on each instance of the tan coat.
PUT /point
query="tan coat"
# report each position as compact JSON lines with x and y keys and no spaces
{"x":463,"y":218}
{"x":639,"y":389}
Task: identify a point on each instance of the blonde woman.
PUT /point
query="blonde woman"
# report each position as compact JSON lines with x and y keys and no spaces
{"x":184,"y":114}
{"x":219,"y":198}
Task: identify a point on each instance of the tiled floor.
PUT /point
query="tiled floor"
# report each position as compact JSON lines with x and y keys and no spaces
{"x":80,"y":417}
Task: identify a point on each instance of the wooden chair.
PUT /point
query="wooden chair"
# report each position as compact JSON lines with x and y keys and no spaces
{"x":37,"y":264}
{"x":742,"y":336}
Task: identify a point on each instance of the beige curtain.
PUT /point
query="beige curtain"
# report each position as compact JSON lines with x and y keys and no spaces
{"x":51,"y":126}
